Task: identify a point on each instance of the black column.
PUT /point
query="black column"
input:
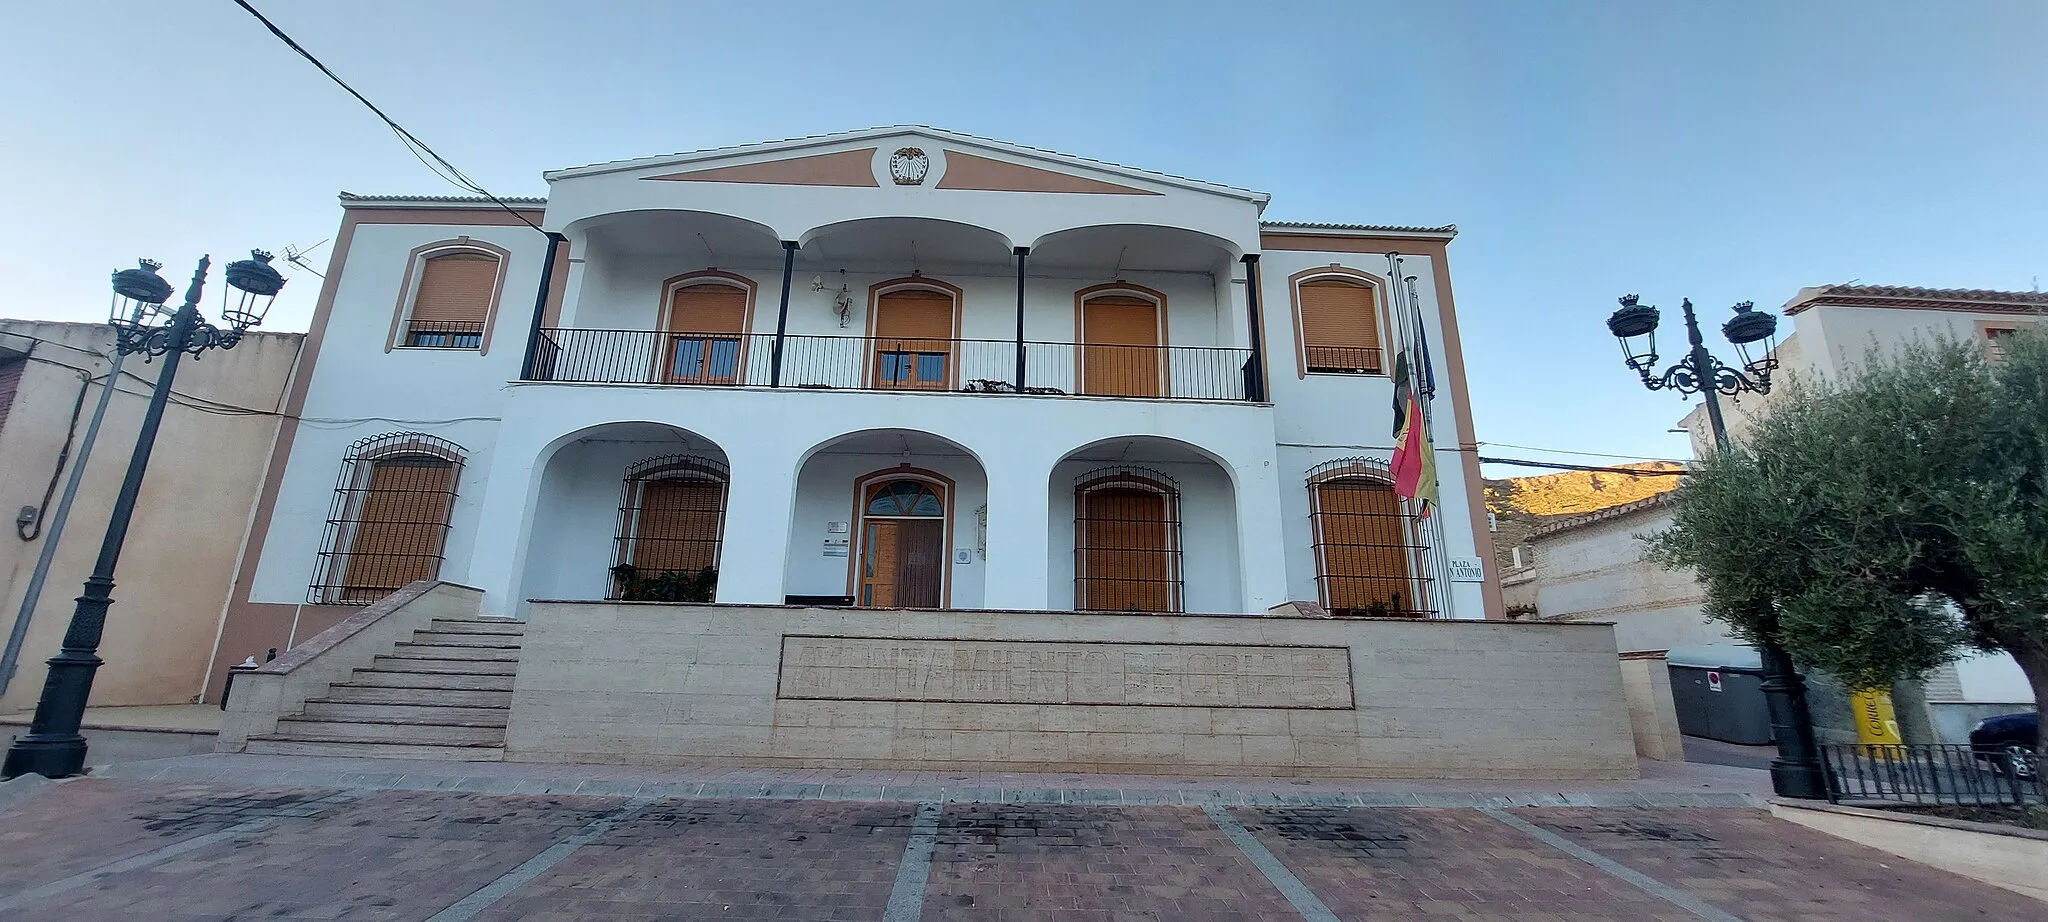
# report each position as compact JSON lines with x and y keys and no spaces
{"x":1255,"y":370}
{"x":1021,"y":253}
{"x":540,"y":306}
{"x":782,"y":314}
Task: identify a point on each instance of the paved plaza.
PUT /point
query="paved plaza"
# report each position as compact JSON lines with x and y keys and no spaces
{"x":247,"y":837}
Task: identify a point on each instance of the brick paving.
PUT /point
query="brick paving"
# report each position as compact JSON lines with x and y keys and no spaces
{"x":756,"y":860}
{"x":99,"y":849}
{"x":1091,"y":864}
{"x":1763,"y":869}
{"x":1433,"y":864}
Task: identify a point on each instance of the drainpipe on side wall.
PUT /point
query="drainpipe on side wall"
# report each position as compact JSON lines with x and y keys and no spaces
{"x":54,"y":529}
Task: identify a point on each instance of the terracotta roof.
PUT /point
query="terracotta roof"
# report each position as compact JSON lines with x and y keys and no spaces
{"x":1900,"y":296}
{"x":348,"y":198}
{"x":1611,"y":512}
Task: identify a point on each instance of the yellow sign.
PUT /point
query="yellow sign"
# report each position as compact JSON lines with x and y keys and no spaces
{"x":1876,"y":723}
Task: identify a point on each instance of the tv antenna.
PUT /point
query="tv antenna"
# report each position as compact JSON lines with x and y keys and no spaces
{"x":297,"y":257}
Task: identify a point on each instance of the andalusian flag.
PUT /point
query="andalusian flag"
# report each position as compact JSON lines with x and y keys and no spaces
{"x":1414,"y":463}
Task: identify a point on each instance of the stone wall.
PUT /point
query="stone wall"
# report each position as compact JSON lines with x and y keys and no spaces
{"x":1043,"y":691}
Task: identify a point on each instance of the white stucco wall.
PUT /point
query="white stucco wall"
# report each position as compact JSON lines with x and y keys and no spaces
{"x":1596,"y":572}
{"x":360,"y":390}
{"x":1247,"y":542}
{"x":1993,"y":678}
{"x":824,"y":494}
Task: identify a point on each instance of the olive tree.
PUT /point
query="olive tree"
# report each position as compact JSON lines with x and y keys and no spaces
{"x":1889,"y":521}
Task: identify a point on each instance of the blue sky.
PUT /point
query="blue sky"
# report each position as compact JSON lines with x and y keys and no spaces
{"x":1724,"y":151}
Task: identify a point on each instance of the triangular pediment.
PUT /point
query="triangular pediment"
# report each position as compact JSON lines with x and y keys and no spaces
{"x":909,"y":156}
{"x":840,"y":168}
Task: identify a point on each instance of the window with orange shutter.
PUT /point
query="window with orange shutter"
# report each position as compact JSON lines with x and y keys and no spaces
{"x":390,"y":518}
{"x":1339,"y":326}
{"x":671,"y":521}
{"x":913,"y":341}
{"x":452,"y":303}
{"x":706,"y":335}
{"x":1120,"y":351}
{"x":1127,"y":541}
{"x":1366,"y":550}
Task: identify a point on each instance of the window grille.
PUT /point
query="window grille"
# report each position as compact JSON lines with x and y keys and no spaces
{"x":671,"y":523}
{"x":1376,"y":556}
{"x":388,"y":524}
{"x":1127,"y":541}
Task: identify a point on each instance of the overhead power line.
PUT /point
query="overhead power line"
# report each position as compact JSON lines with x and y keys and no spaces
{"x":1582,"y":454}
{"x":418,"y":148}
{"x":1518,"y":462}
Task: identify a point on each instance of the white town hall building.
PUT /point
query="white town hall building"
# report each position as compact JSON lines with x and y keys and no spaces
{"x":862,"y":392}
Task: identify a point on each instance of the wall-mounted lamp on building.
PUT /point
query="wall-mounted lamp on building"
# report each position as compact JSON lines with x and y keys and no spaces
{"x":52,"y":747}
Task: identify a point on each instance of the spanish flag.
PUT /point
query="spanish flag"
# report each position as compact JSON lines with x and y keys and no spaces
{"x":1414,"y":462}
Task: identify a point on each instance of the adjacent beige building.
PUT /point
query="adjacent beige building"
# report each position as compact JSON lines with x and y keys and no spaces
{"x":189,"y":526}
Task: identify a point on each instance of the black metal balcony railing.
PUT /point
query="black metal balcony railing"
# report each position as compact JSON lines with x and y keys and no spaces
{"x":890,"y":364}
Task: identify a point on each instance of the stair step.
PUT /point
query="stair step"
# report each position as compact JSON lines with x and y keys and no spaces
{"x":360,"y":693}
{"x":476,"y":641}
{"x":478,"y":626}
{"x":359,"y":749}
{"x":414,"y":678}
{"x":477,"y":654}
{"x":417,"y":709}
{"x":399,"y":662}
{"x":391,"y":730}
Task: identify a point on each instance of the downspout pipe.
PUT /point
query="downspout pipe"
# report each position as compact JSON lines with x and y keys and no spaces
{"x":54,"y":529}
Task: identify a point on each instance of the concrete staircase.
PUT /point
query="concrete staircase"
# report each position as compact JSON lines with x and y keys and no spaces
{"x":445,"y":694}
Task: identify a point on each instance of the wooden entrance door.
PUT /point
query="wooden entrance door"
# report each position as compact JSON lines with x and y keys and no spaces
{"x":902,"y":546}
{"x":900,"y":563}
{"x":1120,"y":355}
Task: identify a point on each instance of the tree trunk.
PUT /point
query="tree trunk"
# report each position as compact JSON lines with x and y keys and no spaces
{"x":2031,"y":653}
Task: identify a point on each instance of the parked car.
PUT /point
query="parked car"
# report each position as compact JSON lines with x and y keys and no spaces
{"x":2009,"y":743}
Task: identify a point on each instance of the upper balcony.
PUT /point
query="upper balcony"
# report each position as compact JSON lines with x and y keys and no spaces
{"x":901,"y":304}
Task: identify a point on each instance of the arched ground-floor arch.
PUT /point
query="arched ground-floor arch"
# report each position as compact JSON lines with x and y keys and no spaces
{"x":628,"y":510}
{"x":1142,"y":523}
{"x":888,"y":518}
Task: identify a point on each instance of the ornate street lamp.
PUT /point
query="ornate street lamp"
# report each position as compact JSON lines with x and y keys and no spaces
{"x":1796,"y":772}
{"x":52,"y":747}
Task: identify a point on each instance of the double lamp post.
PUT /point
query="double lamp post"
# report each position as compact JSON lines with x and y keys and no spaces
{"x":1796,"y":772}
{"x":53,"y":747}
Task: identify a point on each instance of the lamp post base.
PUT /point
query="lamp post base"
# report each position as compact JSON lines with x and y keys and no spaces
{"x":1796,"y":772}
{"x":51,"y":756}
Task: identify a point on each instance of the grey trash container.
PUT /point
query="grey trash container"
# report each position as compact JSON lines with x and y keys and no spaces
{"x":1736,"y":713}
